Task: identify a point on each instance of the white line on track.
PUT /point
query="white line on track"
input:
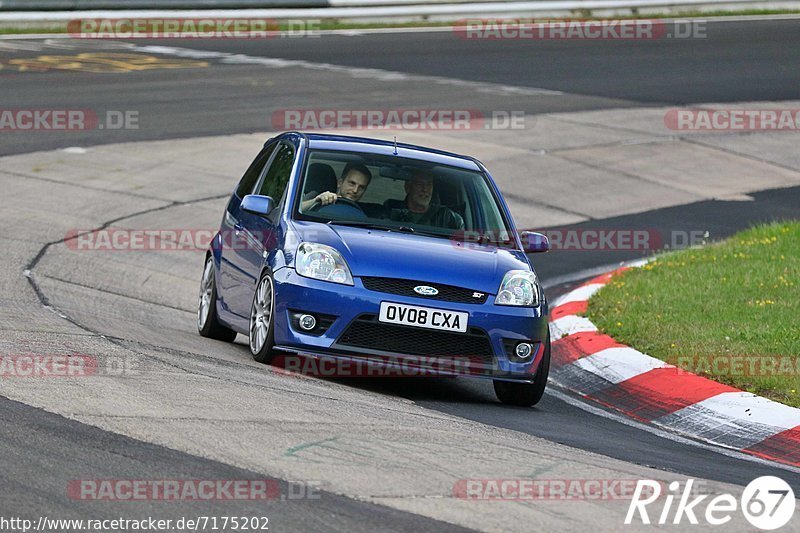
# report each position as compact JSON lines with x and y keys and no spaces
{"x":582,"y":293}
{"x":566,"y":398}
{"x":746,"y":407}
{"x":355,"y":72}
{"x":549,"y":283}
{"x":589,"y":273}
{"x":570,"y":325}
{"x":17,"y":46}
{"x":616,"y":365}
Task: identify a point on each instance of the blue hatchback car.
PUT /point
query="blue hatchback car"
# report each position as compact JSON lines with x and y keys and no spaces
{"x":353,"y":249}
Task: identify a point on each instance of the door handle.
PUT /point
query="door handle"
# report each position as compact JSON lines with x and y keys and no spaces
{"x":238,"y":228}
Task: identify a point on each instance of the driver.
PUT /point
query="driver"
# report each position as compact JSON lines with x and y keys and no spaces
{"x":352,"y":185}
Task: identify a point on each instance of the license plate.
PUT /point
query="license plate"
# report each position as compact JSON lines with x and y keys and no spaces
{"x":423,"y":317}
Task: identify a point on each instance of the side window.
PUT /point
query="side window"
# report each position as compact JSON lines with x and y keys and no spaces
{"x":250,"y":177}
{"x":277,"y":177}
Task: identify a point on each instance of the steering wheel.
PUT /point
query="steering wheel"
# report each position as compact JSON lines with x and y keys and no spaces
{"x":341,"y":208}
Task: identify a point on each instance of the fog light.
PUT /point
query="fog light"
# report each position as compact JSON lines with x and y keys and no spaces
{"x":523,"y":350}
{"x":307,"y":322}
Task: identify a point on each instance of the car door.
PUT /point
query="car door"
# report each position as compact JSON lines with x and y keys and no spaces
{"x":257,"y":235}
{"x":232,"y":282}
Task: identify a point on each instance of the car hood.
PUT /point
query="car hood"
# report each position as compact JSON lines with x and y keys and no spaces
{"x":416,"y":257}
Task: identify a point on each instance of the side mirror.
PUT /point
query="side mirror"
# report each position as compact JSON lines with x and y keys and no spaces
{"x":533,"y":242}
{"x":258,"y":205}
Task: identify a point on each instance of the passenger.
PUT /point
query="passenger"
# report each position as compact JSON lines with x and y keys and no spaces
{"x":419,"y":208}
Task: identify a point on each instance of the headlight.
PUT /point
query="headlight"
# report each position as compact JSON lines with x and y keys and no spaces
{"x":520,"y":288}
{"x":319,"y":261}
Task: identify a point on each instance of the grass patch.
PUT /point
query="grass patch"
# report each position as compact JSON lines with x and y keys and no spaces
{"x":700,"y":309}
{"x":336,"y":24}
{"x":25,"y":30}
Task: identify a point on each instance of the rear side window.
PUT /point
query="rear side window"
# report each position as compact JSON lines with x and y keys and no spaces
{"x":250,"y":177}
{"x":277,"y":177}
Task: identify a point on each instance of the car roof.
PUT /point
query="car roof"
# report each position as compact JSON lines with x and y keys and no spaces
{"x":376,"y":146}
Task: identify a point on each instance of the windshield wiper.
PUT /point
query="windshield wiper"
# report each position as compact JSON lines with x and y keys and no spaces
{"x":371,"y":225}
{"x":433,"y":234}
{"x":386,"y":227}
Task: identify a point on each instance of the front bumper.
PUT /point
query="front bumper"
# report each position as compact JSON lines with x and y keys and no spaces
{"x":346,"y":305}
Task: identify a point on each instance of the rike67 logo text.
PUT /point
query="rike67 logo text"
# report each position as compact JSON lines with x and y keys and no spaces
{"x":767,"y":503}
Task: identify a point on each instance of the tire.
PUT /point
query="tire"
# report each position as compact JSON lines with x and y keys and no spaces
{"x":526,"y":394}
{"x":208,"y":324}
{"x":262,"y":320}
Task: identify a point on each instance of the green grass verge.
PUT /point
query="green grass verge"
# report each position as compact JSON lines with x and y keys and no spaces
{"x":701,"y":309}
{"x":335,"y":24}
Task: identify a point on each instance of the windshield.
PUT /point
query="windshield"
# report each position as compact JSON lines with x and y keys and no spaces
{"x":399,"y":194}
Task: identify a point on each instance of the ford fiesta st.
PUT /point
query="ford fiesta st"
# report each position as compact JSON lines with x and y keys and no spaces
{"x":349,"y":249}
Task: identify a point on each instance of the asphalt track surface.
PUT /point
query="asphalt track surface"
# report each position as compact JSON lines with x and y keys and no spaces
{"x":40,"y":461}
{"x":737,"y":62}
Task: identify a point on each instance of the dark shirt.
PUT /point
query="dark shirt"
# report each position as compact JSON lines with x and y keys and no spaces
{"x":436,"y":215}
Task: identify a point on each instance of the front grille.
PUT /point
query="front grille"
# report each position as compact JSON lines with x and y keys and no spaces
{"x":405,"y":287}
{"x":368,"y":333}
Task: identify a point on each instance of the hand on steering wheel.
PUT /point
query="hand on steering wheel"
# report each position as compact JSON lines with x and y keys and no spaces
{"x":329,"y":198}
{"x":347,"y":201}
{"x":325,"y":198}
{"x":340,"y":209}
